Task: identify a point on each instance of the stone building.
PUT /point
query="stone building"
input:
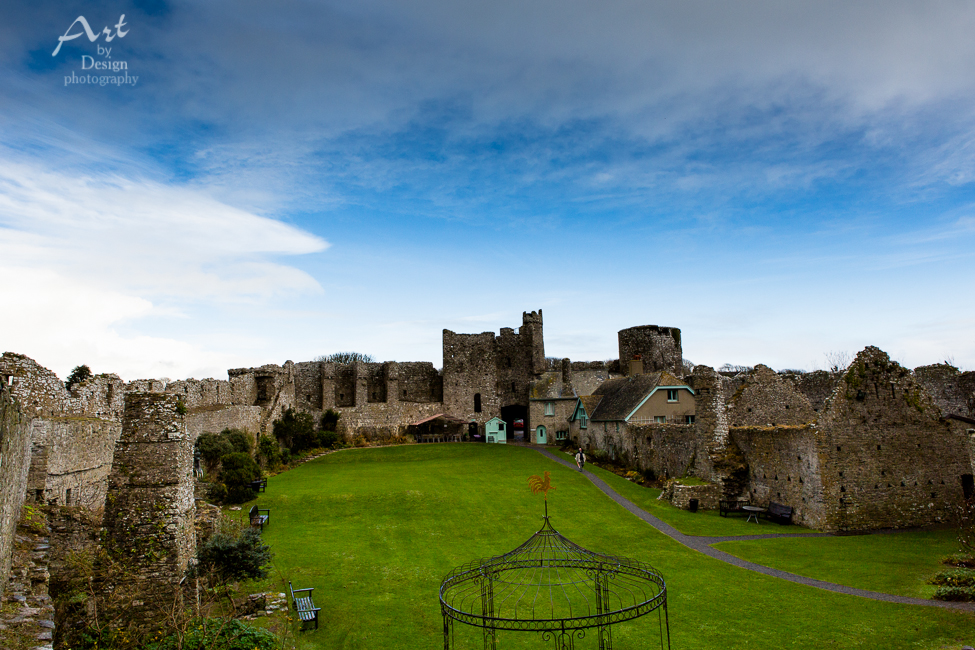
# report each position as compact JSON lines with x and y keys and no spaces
{"x":72,"y":434}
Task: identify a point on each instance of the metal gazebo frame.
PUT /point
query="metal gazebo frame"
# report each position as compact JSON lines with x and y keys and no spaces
{"x":555,"y":587}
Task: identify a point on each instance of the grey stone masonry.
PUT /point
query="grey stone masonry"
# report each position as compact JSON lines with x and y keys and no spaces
{"x":149,"y":511}
{"x":14,"y":464}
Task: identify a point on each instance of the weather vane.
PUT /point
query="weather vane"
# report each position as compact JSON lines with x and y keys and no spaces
{"x":541,"y":484}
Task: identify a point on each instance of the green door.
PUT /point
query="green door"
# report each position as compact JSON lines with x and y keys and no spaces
{"x":540,"y":436}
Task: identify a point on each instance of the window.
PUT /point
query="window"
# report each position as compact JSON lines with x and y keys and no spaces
{"x":549,"y":408}
{"x":67,"y":497}
{"x":561,"y":435}
{"x":477,"y":402}
{"x":688,"y":419}
{"x":583,"y":421}
{"x":660,"y":419}
{"x":671,"y":394}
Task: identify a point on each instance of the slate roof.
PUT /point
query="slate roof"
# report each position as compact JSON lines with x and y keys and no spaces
{"x":590,"y":403}
{"x":621,"y":396}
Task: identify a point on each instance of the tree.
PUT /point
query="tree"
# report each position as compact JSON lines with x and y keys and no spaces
{"x":330,"y":420}
{"x":237,"y":471}
{"x":212,"y":447}
{"x":296,"y":430}
{"x":728,"y":367}
{"x":838,"y":361}
{"x":346,"y":357}
{"x":238,"y":439}
{"x":79,"y":375}
{"x":232,"y":558}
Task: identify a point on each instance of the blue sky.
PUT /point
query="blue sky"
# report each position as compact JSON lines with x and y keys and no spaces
{"x":285,"y":180}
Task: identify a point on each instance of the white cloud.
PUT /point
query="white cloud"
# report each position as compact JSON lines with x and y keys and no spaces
{"x":83,"y":256}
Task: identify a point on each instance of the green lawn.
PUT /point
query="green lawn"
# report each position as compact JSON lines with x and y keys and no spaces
{"x":702,"y":522}
{"x":376,"y":530}
{"x":898,"y":563}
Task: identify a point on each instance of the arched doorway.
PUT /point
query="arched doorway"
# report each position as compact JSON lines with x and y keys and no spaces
{"x":540,"y":436}
{"x":516,"y":417}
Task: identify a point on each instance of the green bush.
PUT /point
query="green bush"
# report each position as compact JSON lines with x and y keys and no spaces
{"x":954,"y":578}
{"x":296,"y":430}
{"x":330,"y":420}
{"x":79,"y":375}
{"x":218,"y":634}
{"x":328,"y":439}
{"x":212,"y":447}
{"x":238,"y":439}
{"x":233,"y":558}
{"x":216,"y":493}
{"x":268,"y":452}
{"x":960,"y":559}
{"x":965,"y":594}
{"x":238,"y":470}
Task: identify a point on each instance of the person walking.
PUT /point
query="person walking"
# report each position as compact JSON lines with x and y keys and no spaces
{"x":580,"y":459}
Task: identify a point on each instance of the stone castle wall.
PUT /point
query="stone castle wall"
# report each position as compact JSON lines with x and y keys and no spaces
{"x":887,"y":457}
{"x":952,"y":391}
{"x":14,"y":466}
{"x":149,"y":510}
{"x":783,"y":466}
{"x":815,"y":386}
{"x":470,"y":367}
{"x":73,"y":434}
{"x":764,"y":398}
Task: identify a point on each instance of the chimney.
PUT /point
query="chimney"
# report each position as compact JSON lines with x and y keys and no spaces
{"x":636,"y":366}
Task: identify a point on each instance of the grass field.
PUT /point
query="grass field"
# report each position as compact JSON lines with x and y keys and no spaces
{"x":376,"y":530}
{"x":897,"y":563}
{"x":703,"y":522}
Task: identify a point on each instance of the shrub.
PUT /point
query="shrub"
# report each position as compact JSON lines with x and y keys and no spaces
{"x":327,"y":439}
{"x":212,"y":447}
{"x":238,"y":439}
{"x":239,"y":469}
{"x":268,"y":452}
{"x":231,"y":558}
{"x":960,"y":559}
{"x":330,"y":420}
{"x":216,"y":493}
{"x":965,"y":594}
{"x":218,"y":634}
{"x":296,"y":430}
{"x":954,"y":578}
{"x":79,"y":375}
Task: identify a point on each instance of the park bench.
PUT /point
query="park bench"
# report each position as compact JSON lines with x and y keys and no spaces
{"x":779,"y":513}
{"x":726,"y":506}
{"x":304,"y":605}
{"x":259,"y":519}
{"x":259,"y":485}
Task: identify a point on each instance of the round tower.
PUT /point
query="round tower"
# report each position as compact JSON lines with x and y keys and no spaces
{"x":657,"y":347}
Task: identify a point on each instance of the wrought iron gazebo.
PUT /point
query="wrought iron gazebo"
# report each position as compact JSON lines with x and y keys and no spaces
{"x":554,"y":587}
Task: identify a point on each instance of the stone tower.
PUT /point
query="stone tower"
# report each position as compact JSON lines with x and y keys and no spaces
{"x":534,"y":342}
{"x":658,"y":347}
{"x":150,"y":510}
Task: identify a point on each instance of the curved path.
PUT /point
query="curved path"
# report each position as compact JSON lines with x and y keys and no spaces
{"x":703,"y":545}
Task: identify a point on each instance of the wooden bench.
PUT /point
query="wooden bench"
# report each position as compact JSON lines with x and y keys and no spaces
{"x":260,"y":485}
{"x":304,"y":605}
{"x":259,"y":519}
{"x":780,"y":513}
{"x":726,"y":506}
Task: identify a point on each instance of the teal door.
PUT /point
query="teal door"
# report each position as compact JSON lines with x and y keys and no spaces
{"x":540,"y":437}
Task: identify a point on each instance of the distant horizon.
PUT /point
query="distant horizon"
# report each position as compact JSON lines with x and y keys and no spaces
{"x":191,"y":187}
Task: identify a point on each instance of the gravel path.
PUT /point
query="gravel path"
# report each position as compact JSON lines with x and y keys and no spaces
{"x":703,"y":545}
